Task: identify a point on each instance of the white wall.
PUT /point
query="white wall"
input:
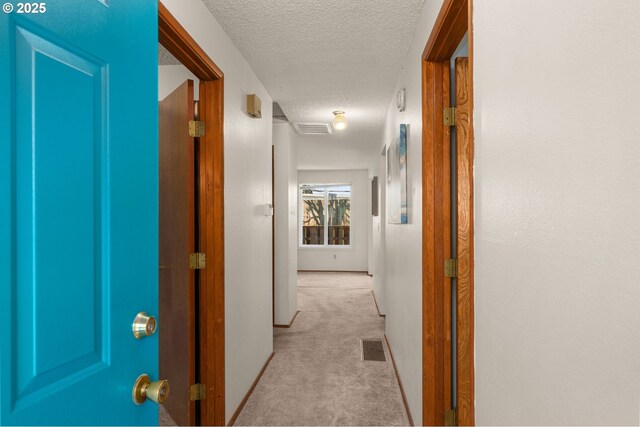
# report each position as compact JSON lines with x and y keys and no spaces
{"x":557,"y":202}
{"x":172,"y":76}
{"x":353,"y":258}
{"x":329,"y":152}
{"x":286,"y":218}
{"x":248,"y":330}
{"x":378,"y":232}
{"x":398,"y":251}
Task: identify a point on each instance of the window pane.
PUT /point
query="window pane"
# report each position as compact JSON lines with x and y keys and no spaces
{"x":339,"y":198}
{"x":312,"y":216}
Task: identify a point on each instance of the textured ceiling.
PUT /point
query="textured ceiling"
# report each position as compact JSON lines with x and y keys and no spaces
{"x":317,"y":56}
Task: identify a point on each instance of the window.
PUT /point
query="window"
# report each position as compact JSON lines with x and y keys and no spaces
{"x":326,"y":215}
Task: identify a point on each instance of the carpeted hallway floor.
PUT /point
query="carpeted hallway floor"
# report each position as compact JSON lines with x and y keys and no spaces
{"x":317,"y":376}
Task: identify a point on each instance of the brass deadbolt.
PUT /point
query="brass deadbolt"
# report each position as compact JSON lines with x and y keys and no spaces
{"x":144,"y":325}
{"x":144,"y":389}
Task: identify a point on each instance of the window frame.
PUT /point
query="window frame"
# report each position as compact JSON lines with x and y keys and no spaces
{"x":326,"y":245}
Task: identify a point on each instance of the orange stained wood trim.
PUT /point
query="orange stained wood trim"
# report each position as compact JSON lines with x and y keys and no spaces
{"x":436,"y":243}
{"x":211,"y":163}
{"x":179,"y":42}
{"x":246,"y":396}
{"x":445,"y":194}
{"x":212,"y":243}
{"x":290,"y":322}
{"x":466,"y":283}
{"x":465,"y":245}
{"x":465,"y":309}
{"x":451,"y":25}
{"x":404,"y":396}
{"x":443,"y":232}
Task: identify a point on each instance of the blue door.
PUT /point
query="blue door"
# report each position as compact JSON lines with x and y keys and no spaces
{"x":78,"y":210}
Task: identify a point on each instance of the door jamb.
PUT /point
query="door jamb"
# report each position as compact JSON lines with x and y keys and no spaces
{"x":175,"y":38}
{"x":454,"y":20}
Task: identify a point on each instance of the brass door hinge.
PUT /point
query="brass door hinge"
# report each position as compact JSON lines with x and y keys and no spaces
{"x":197,"y":392}
{"x":451,"y":267}
{"x":451,"y":417}
{"x":450,"y":116}
{"x":196,"y":128}
{"x":197,"y":261}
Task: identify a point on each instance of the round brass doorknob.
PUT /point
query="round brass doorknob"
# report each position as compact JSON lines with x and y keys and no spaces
{"x":144,"y":389}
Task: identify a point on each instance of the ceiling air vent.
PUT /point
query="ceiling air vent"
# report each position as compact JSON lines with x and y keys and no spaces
{"x":312,"y":128}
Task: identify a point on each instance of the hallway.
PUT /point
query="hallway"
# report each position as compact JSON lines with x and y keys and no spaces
{"x":317,"y":376}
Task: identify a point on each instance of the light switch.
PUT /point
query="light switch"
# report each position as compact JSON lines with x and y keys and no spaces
{"x":268,"y":209}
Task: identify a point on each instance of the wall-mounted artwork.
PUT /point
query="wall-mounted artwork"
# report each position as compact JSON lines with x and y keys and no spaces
{"x":397,"y":212}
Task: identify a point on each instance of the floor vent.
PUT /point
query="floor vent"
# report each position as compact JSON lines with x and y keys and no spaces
{"x":373,"y":350}
{"x":312,"y":128}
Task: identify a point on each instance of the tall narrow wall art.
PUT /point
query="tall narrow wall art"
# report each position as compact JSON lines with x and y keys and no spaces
{"x":397,"y":178}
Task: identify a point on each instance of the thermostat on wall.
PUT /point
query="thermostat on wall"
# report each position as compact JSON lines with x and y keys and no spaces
{"x":401,"y":100}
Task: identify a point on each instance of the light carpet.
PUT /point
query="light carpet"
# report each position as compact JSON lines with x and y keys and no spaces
{"x":317,"y":376}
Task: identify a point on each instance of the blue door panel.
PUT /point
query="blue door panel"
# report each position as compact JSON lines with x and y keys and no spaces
{"x":59,"y":189}
{"x":78,"y":211}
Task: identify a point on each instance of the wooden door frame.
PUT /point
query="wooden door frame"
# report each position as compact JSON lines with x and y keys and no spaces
{"x":453,"y":22}
{"x":180,"y":44}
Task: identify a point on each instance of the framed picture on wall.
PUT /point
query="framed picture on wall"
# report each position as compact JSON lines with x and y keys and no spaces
{"x":397,"y":211}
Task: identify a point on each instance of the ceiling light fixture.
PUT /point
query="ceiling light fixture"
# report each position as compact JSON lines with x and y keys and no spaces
{"x":339,"y":121}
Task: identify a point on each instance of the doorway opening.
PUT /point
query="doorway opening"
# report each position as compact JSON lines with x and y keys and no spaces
{"x":204,"y":402}
{"x":447,"y":270}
